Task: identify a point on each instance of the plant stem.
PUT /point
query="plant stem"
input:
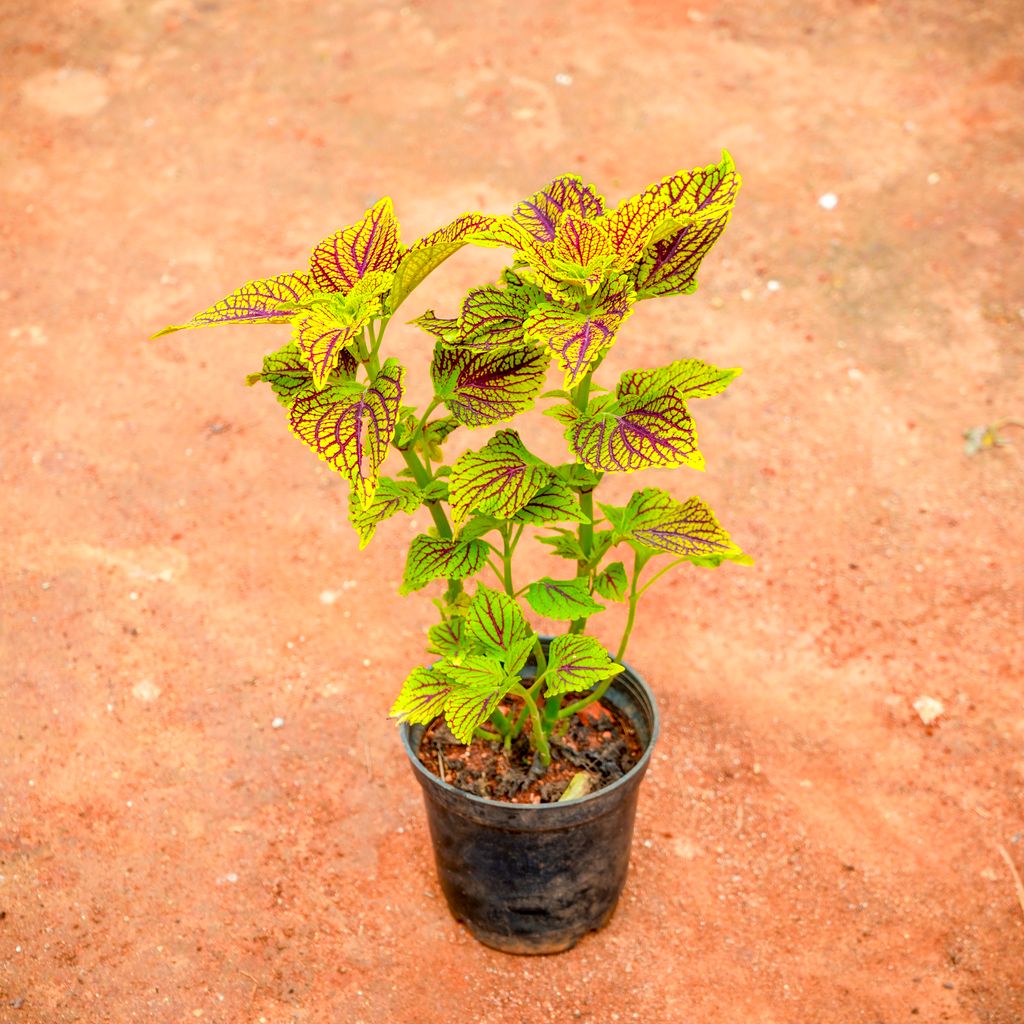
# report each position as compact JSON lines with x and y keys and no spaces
{"x":434,"y":403}
{"x":634,"y":598}
{"x":571,"y":709}
{"x":422,"y":478}
{"x":657,"y":576}
{"x":481,"y":733}
{"x":506,"y":556}
{"x":540,"y":741}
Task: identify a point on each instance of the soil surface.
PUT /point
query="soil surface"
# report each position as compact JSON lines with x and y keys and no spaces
{"x":205,"y":814}
{"x":602,"y":744}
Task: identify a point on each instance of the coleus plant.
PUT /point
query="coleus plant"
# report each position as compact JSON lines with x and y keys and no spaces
{"x":577,"y":271}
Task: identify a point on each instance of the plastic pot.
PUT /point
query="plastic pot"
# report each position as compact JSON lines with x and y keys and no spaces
{"x":536,"y":878}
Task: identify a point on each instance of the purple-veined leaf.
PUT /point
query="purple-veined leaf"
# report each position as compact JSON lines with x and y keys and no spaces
{"x":543,"y":212}
{"x":433,"y":249}
{"x":288,"y":374}
{"x":565,"y":413}
{"x":497,"y":480}
{"x":482,"y":388}
{"x":438,"y":327}
{"x":562,"y":599}
{"x":495,"y":622}
{"x":647,"y":431}
{"x":493,"y":317}
{"x":272,"y":300}
{"x":580,"y":241}
{"x":610,"y":582}
{"x":352,"y":432}
{"x":321,"y":338}
{"x":687,"y":197}
{"x":370,"y":245}
{"x":553,"y":503}
{"x":391,"y":497}
{"x":688,"y":528}
{"x":481,"y":683}
{"x":446,"y":637}
{"x":577,"y":663}
{"x":579,"y":334}
{"x":432,"y":558}
{"x":670,"y":265}
{"x":423,"y":696}
{"x":692,"y":378}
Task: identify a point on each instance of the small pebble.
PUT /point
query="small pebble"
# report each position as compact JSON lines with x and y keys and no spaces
{"x":773,"y":286}
{"x":277,"y":723}
{"x":828,"y":201}
{"x":928,"y":709}
{"x":933,"y":178}
{"x":563,"y":79}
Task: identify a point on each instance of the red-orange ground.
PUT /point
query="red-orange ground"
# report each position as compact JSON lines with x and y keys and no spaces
{"x":177,"y":572}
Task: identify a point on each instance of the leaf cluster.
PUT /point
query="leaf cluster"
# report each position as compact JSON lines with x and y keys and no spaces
{"x":578,"y":269}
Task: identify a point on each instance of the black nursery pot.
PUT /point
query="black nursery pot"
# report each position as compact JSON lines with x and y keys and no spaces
{"x":535,"y":878}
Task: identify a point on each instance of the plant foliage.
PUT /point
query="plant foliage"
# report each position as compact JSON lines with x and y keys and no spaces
{"x":579,"y":269}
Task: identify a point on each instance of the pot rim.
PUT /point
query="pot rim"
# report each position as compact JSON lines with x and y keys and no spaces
{"x":425,"y":775}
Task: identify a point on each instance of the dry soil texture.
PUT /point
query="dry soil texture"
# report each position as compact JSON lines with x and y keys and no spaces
{"x":177,"y":571}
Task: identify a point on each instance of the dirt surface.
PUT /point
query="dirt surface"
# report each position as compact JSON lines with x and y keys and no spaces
{"x":602,"y":743}
{"x":188,"y":630}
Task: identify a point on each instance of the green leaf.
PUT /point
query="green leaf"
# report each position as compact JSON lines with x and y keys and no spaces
{"x":566,"y":413}
{"x":646,"y":431}
{"x":666,"y":209}
{"x":481,"y":683}
{"x":655,"y":519}
{"x":578,"y":476}
{"x":288,"y":374}
{"x":390,"y":498}
{"x":478,"y":526}
{"x":498,"y":480}
{"x":352,"y":432}
{"x":568,"y":194}
{"x":565,"y":545}
{"x":577,"y":663}
{"x":579,"y":334}
{"x":335,"y":323}
{"x":610,"y":583}
{"x":446,"y":638}
{"x":423,"y":696}
{"x":519,"y":653}
{"x":562,"y":599}
{"x":273,"y":300}
{"x":495,"y":622}
{"x":432,"y":250}
{"x":553,"y":503}
{"x":369,"y":246}
{"x":692,"y":378}
{"x":617,"y":516}
{"x":482,"y":388}
{"x":432,"y":558}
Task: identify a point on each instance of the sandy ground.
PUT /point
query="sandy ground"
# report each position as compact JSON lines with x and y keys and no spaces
{"x":177,"y":571}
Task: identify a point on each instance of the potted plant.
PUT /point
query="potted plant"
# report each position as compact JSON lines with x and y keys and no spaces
{"x":529,"y":748}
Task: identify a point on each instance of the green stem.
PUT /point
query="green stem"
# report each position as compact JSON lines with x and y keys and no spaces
{"x":657,"y":576}
{"x":502,"y":724}
{"x":569,"y":710}
{"x":481,"y":733}
{"x":634,"y":598}
{"x":422,"y":478}
{"x":435,"y":402}
{"x":506,"y":556}
{"x":540,"y":741}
